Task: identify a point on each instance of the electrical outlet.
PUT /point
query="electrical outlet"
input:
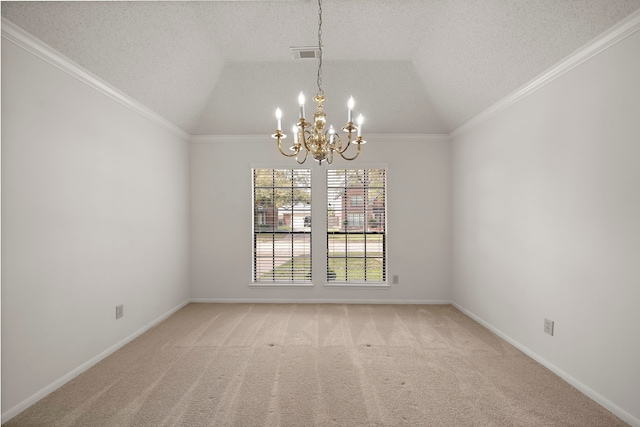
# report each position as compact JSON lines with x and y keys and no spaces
{"x":548,"y":326}
{"x":119,"y":311}
{"x":395,"y":279}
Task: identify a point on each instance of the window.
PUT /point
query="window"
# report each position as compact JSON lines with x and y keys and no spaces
{"x":356,"y":225}
{"x":281,"y":225}
{"x":355,"y":200}
{"x":355,"y":220}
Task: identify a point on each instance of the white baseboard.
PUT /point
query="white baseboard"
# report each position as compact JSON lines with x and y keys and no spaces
{"x":607,"y":404}
{"x":316,"y":301}
{"x":10,"y":413}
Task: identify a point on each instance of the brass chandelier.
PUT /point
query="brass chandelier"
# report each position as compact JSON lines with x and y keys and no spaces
{"x":321,"y":143}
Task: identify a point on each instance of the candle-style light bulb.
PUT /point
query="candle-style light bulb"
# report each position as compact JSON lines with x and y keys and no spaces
{"x":350,"y":105}
{"x":360,"y":120}
{"x":279,"y":118}
{"x":301,"y":103}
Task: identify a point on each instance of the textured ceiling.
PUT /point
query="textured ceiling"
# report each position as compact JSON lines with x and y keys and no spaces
{"x":413,"y":66}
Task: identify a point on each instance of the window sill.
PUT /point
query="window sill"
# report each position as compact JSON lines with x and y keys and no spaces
{"x":357,"y":285}
{"x":342,"y":285}
{"x":281,"y":285}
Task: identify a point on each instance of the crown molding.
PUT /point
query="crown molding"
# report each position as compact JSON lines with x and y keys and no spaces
{"x":620,"y":31}
{"x":16,"y":35}
{"x":378,"y":137}
{"x":615,"y":34}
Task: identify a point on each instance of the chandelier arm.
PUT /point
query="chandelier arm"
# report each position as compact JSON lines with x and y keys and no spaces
{"x":305,"y":133}
{"x":346,"y":147}
{"x":349,"y":158}
{"x":295,"y":153}
{"x":337,"y":143}
{"x":306,"y":153}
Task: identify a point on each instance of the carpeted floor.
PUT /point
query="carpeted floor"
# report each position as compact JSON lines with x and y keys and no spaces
{"x":317,"y":365}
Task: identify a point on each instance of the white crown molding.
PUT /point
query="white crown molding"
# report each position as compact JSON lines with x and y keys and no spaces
{"x":16,"y":35}
{"x":396,"y":138}
{"x":618,"y":32}
{"x":13,"y":33}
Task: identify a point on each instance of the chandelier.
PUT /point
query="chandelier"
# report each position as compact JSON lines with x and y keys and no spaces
{"x":312,"y":137}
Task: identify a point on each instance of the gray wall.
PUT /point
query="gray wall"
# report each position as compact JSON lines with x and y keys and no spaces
{"x":418,"y":198}
{"x":94,"y":214}
{"x":546,"y":224}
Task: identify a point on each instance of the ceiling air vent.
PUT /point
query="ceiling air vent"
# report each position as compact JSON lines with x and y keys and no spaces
{"x":305,"y":52}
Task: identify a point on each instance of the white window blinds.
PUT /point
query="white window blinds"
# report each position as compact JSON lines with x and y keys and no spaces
{"x":282,"y":225}
{"x":356,"y":225}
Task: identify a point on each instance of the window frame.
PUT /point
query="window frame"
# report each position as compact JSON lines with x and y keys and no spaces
{"x":319,"y":244}
{"x":294,"y":281}
{"x":349,"y":210}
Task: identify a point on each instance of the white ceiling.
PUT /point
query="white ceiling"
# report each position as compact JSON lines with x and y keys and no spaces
{"x":413,"y":66}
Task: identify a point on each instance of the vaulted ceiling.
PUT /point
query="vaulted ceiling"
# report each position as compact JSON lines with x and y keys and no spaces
{"x":413,"y":66}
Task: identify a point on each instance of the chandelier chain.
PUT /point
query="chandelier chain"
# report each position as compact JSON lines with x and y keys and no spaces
{"x":310,"y":137}
{"x":320,"y":92}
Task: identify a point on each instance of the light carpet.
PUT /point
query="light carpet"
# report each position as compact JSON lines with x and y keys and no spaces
{"x":317,"y":365}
